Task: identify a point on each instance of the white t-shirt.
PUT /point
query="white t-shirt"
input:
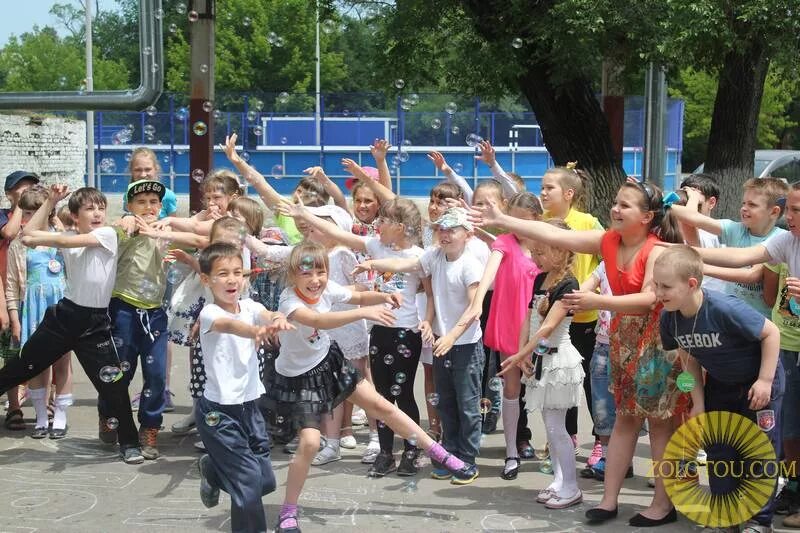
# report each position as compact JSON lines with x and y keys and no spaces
{"x":305,"y":347}
{"x":92,"y":270}
{"x":709,"y":240}
{"x":230,"y":361}
{"x":406,"y":283}
{"x":785,"y":248}
{"x":478,"y":249}
{"x":449,"y":283}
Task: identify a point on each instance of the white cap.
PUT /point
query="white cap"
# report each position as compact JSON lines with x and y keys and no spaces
{"x":341,"y":217}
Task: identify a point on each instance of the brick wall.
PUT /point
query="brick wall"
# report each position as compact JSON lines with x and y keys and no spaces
{"x":54,"y":148}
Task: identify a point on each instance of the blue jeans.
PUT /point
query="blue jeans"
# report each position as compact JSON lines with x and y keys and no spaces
{"x":732,"y":397}
{"x":141,"y":333}
{"x":790,"y":415}
{"x":603,"y":407}
{"x":457,"y":377}
{"x":238,"y":446}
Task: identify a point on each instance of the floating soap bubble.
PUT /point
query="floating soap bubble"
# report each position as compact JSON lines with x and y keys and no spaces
{"x":258,"y":131}
{"x":329,"y":26}
{"x":516,"y":42}
{"x":217,"y":114}
{"x":208,"y":106}
{"x":402,"y":348}
{"x":373,"y":350}
{"x":158,"y":13}
{"x":279,"y":42}
{"x":193,"y":16}
{"x":546,"y":467}
{"x":124,"y":366}
{"x":485,"y":405}
{"x":212,"y":418}
{"x":247,"y":21}
{"x":307,"y":263}
{"x":182,"y":113}
{"x":149,"y":359}
{"x":404,"y":157}
{"x":473,"y":139}
{"x":451,"y":108}
{"x":107,"y":165}
{"x":147,"y":393}
{"x":277,"y":171}
{"x":173,"y":28}
{"x":458,"y":167}
{"x":257,"y":104}
{"x":412,"y":440}
{"x":149,"y":129}
{"x":405,"y":104}
{"x":128,"y":157}
{"x":388,"y":359}
{"x":399,"y":83}
{"x":203,"y":68}
{"x":279,"y":419}
{"x":180,"y":8}
{"x":198,"y":175}
{"x":272,"y":37}
{"x":400,"y":378}
{"x":446,"y":363}
{"x":284,"y":140}
{"x":109,"y":374}
{"x":413,"y":99}
{"x":146,"y":50}
{"x":252,"y":116}
{"x":246,"y":156}
{"x":541,"y":453}
{"x":433,"y":399}
{"x":112,"y":423}
{"x":395,"y":390}
{"x":283,"y":97}
{"x":402,"y":334}
{"x":199,"y":128}
{"x":496,"y":384}
{"x":151,"y":111}
{"x":436,"y":123}
{"x":173,"y":275}
{"x":455,"y":130}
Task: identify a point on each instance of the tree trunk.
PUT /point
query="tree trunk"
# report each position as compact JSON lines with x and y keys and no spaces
{"x":732,"y":139}
{"x":574,"y":129}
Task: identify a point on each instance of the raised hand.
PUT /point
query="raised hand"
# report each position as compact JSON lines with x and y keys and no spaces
{"x":487,"y":153}
{"x":316,"y":172}
{"x":296,"y":210}
{"x":379,"y":149}
{"x":230,"y":149}
{"x":485,"y":216}
{"x":351,"y":166}
{"x":439,"y":162}
{"x":58,"y":192}
{"x":360,"y":268}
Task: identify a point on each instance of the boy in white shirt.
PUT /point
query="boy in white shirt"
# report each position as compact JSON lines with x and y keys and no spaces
{"x":229,"y":420}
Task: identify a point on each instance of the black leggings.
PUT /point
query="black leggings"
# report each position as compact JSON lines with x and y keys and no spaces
{"x":395,"y":381}
{"x":583,"y":338}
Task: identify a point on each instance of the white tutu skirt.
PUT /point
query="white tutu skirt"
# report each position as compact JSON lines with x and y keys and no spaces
{"x":561,"y":386}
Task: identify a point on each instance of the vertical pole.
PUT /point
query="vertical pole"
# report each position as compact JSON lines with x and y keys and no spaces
{"x":655,"y":110}
{"x":201,"y":140}
{"x":90,"y":181}
{"x":317,"y":103}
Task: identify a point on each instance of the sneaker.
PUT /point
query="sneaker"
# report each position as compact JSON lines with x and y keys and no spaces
{"x":105,"y":433}
{"x":40,"y":433}
{"x":384,"y":464}
{"x":147,"y":441}
{"x":408,"y":465}
{"x":135,"y":402}
{"x":465,"y":476}
{"x":169,"y":406}
{"x":208,"y":495}
{"x":557,"y":502}
{"x":787,"y":502}
{"x":441,"y":473}
{"x":372,"y":451}
{"x":132,"y":456}
{"x":348,"y":442}
{"x":600,"y":470}
{"x":199,"y":446}
{"x":702,"y":456}
{"x":489,"y":423}
{"x":359,"y":417}
{"x":751,"y":526}
{"x":596,"y":455}
{"x":184,"y":425}
{"x":328,"y":454}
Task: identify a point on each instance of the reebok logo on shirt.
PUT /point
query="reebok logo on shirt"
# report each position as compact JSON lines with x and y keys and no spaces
{"x":699,"y":340}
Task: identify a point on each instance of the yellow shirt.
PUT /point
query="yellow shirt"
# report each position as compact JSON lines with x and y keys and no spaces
{"x":584,"y":264}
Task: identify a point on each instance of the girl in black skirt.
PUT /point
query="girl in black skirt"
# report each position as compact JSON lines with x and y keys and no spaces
{"x":312,"y":377}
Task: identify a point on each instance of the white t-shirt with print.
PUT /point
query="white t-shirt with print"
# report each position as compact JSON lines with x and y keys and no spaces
{"x":92,"y":270}
{"x":305,"y":347}
{"x":230,"y":361}
{"x":406,"y":283}
{"x":449,"y":283}
{"x":785,"y":248}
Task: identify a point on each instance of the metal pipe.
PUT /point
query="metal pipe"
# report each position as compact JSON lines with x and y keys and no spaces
{"x":89,"y":88}
{"x":151,"y":54}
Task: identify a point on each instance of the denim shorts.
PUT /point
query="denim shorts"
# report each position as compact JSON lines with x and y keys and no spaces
{"x":791,"y":397}
{"x":604,"y":411}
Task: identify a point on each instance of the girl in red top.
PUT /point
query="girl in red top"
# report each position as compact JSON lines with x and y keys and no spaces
{"x":642,"y":374}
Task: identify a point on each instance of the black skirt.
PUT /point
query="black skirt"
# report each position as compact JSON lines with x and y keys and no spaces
{"x":302,"y":400}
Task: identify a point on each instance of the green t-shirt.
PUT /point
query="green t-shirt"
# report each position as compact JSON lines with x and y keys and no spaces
{"x":288,"y":226}
{"x":141,"y":277}
{"x":782,"y":314}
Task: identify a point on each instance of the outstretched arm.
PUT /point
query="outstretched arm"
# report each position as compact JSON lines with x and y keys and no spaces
{"x":506,"y":182}
{"x":299,"y":212}
{"x":336,"y":319}
{"x":269,"y":195}
{"x":383,"y":193}
{"x":330,"y":187}
{"x":452,"y":176}
{"x":379,"y":149}
{"x":692,"y":217}
{"x":735,"y":257}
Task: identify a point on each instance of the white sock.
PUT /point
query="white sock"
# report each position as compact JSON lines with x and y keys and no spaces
{"x":332,"y":443}
{"x":60,"y":418}
{"x":373,"y":436}
{"x":510,"y":414}
{"x":562,"y":452}
{"x":39,"y":400}
{"x":605,"y":449}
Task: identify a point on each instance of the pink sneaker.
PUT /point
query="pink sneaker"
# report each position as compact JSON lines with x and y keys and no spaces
{"x":597,"y":454}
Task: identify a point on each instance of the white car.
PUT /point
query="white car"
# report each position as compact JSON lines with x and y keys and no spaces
{"x":776,"y":163}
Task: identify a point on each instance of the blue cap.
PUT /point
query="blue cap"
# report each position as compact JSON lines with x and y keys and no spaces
{"x":15,"y":177}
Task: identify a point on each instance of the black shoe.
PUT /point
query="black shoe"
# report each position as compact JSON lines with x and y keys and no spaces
{"x":384,"y":464}
{"x":787,"y":502}
{"x":598,"y":515}
{"x":56,"y":434}
{"x":209,"y":494}
{"x":525,"y":450}
{"x":489,"y":423}
{"x":512,"y":473}
{"x":40,"y":433}
{"x":407,"y":463}
{"x":642,"y":521}
{"x":587,"y":473}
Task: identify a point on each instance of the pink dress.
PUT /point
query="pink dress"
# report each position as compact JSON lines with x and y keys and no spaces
{"x":513,"y":286}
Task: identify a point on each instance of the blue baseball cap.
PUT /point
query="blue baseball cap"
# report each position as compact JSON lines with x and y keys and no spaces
{"x":17,"y":176}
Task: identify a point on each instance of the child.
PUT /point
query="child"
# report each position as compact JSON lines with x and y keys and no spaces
{"x":642,"y":374}
{"x":512,"y":271}
{"x":763,"y":203}
{"x":394,"y":349}
{"x":738,"y":350}
{"x":80,"y":320}
{"x":139,"y":324}
{"x":16,"y":183}
{"x":144,"y":165}
{"x":312,"y":377}
{"x":35,"y":282}
{"x":231,"y":426}
{"x":558,"y":377}
{"x":458,"y":361}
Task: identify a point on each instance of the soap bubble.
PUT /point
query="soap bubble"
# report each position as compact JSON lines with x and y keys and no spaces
{"x":433,"y":399}
{"x":496,"y":384}
{"x":402,"y":334}
{"x":246,"y":156}
{"x":329,"y":26}
{"x":124,"y":366}
{"x":208,"y":106}
{"x":485,"y":405}
{"x":146,"y":50}
{"x":258,"y":131}
{"x":149,"y":359}
{"x":217,"y":114}
{"x":284,"y":140}
{"x":373,"y":350}
{"x":516,"y":42}
{"x":395,"y":390}
{"x":277,"y":171}
{"x":399,"y":83}
{"x":198,"y":175}
{"x":405,"y":104}
{"x":158,"y":13}
{"x":403,"y":157}
{"x":151,"y":111}
{"x":108,"y":165}
{"x":272,"y":37}
{"x":147,"y":393}
{"x":413,"y":99}
{"x":279,"y":42}
{"x":203,"y":68}
{"x":212,"y":418}
{"x":173,"y":28}
{"x":388,"y":359}
{"x":451,"y":108}
{"x":257,"y":104}
{"x":199,"y":128}
{"x":458,"y":167}
{"x":400,"y":377}
{"x":193,"y":16}
{"x":112,"y":423}
{"x":252,"y":116}
{"x":455,"y":130}
{"x":149,"y":129}
{"x":307,"y":263}
{"x":436,"y":123}
{"x":283,"y":97}
{"x":180,"y":8}
{"x":128,"y":157}
{"x":109,"y":374}
{"x":473,"y":139}
{"x":246,"y":21}
{"x":446,"y":363}
{"x":182,"y":113}
{"x":173,"y":275}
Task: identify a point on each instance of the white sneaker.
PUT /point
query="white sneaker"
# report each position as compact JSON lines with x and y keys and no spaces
{"x":327,"y":455}
{"x":184,"y":425}
{"x":348,"y":442}
{"x":372,"y":451}
{"x":359,"y":417}
{"x":702,"y":457}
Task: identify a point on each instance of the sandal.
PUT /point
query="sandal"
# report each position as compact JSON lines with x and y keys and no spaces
{"x":51,"y":411}
{"x":15,"y":421}
{"x":511,"y":473}
{"x":291,"y":524}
